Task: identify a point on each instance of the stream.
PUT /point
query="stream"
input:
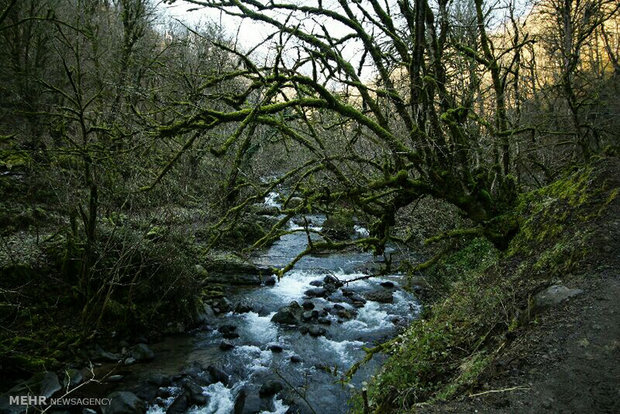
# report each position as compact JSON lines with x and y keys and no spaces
{"x":307,"y":366}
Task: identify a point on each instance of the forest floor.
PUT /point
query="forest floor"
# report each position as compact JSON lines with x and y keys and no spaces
{"x":568,"y":363}
{"x":567,"y":360}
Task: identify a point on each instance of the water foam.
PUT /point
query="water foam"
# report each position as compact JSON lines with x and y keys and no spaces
{"x":221,"y":400}
{"x":260,"y":328}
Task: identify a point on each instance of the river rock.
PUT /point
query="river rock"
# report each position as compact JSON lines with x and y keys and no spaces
{"x":381,"y":296}
{"x":276,"y":349}
{"x":344,"y":314}
{"x":270,"y":388}
{"x":270,"y":281}
{"x":306,"y":316}
{"x":195,"y":394}
{"x":356,"y":300}
{"x":49,"y":384}
{"x":295,"y":359}
{"x":317,"y":292}
{"x":159,"y":380}
{"x":227,"y":329}
{"x":324,"y":321}
{"x":388,"y":285}
{"x":180,"y":404}
{"x":288,"y":315}
{"x":304,"y":330}
{"x":316,"y":330}
{"x":216,"y":375}
{"x":102,"y":355}
{"x":295,"y":202}
{"x":221,"y":305}
{"x":142,"y":352}
{"x":243,"y":307}
{"x":307,"y":305}
{"x":554,"y":295}
{"x":317,"y":283}
{"x":347,"y":292}
{"x":301,"y":220}
{"x":124,"y":402}
{"x":115,"y":378}
{"x":332,"y":281}
{"x":247,"y":402}
{"x":226,"y":346}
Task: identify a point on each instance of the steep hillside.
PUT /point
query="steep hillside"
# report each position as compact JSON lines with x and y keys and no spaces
{"x":531,"y":329}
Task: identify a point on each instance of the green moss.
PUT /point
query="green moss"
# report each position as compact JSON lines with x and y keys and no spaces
{"x":481,"y":294}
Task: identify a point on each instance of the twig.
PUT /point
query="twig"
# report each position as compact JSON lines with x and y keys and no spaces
{"x":517,"y":388}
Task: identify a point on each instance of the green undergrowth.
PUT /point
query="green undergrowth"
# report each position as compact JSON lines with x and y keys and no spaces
{"x":482,"y":295}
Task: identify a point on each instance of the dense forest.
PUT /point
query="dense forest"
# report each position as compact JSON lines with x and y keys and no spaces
{"x":464,"y":150}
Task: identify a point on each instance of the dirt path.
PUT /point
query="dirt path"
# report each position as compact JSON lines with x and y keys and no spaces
{"x":567,"y":361}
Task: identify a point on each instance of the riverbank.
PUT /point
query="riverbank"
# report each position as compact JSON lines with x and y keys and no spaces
{"x":526,"y":330}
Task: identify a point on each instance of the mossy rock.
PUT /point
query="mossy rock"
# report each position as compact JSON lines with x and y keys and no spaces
{"x":339,"y":226}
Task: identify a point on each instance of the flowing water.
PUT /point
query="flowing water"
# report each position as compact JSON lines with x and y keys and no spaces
{"x":310,"y":384}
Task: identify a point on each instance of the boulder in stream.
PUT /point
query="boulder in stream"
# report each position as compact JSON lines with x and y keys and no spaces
{"x":50,"y":384}
{"x":316,"y":331}
{"x":226,"y":346}
{"x":331,"y":280}
{"x":124,"y":402}
{"x":288,"y":315}
{"x":243,"y":306}
{"x":317,"y":292}
{"x":270,"y":388}
{"x":216,"y":375}
{"x":142,"y":352}
{"x":381,"y":296}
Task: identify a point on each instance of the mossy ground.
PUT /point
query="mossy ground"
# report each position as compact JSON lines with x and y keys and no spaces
{"x":484,"y":295}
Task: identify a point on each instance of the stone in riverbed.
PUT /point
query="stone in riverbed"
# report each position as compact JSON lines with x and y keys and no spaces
{"x":216,"y":375}
{"x":276,"y":349}
{"x":180,"y":405}
{"x":344,"y":314}
{"x":307,"y":305}
{"x":304,"y":330}
{"x":332,"y":281}
{"x":115,"y":378}
{"x":102,"y":355}
{"x":270,"y":388}
{"x":388,"y":285}
{"x":195,"y":394}
{"x":142,"y":352}
{"x":317,"y":283}
{"x":159,"y":380}
{"x":270,"y":281}
{"x":317,"y":292}
{"x":324,"y":321}
{"x":243,"y":307}
{"x":381,"y":296}
{"x":124,"y":402}
{"x":224,"y":329}
{"x":49,"y":384}
{"x":296,"y":359}
{"x":288,"y":315}
{"x":347,"y":292}
{"x":316,"y":331}
{"x":307,"y":315}
{"x":226,"y":346}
